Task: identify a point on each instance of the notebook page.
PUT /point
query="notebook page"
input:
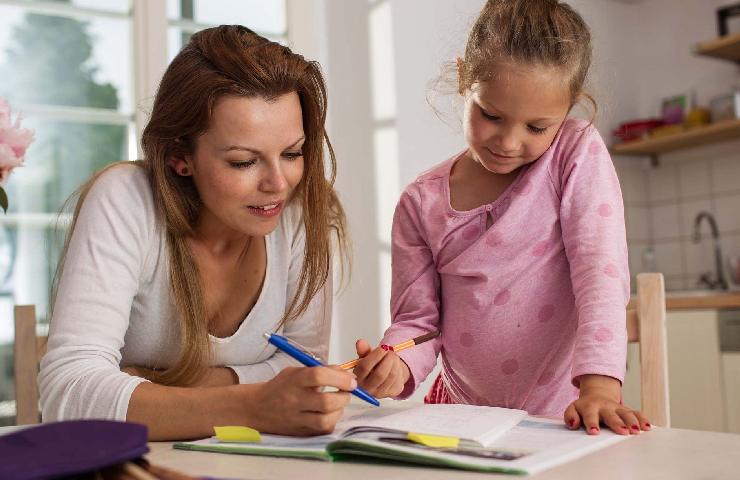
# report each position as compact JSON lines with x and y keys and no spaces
{"x":481,"y":425}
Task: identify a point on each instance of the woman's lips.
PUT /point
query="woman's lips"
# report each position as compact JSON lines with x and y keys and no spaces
{"x":267,"y":210}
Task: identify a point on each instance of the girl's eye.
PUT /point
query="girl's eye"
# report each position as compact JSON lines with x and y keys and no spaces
{"x":292,"y":155}
{"x":489,"y":116}
{"x":242,"y":165}
{"x":536,"y":130}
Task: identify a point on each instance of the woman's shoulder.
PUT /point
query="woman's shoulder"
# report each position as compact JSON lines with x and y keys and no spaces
{"x":122,"y":191}
{"x":123,"y":182}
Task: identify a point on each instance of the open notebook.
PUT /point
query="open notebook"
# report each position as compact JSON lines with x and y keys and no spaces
{"x":490,"y":439}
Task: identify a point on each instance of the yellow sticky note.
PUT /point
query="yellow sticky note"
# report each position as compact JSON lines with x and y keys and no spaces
{"x":237,"y":434}
{"x":434,"y":440}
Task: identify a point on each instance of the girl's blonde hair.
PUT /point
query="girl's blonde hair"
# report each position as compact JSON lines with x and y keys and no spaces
{"x":230,"y":60}
{"x":540,"y":32}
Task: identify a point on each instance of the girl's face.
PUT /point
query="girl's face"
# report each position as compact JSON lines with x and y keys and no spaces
{"x":512,"y":119}
{"x":249,"y":161}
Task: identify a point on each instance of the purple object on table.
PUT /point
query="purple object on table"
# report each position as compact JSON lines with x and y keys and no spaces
{"x":68,"y":448}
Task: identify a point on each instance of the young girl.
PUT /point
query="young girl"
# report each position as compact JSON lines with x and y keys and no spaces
{"x":176,"y":265}
{"x":515,"y":248}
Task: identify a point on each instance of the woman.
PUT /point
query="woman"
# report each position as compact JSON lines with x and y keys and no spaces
{"x":176,"y":265}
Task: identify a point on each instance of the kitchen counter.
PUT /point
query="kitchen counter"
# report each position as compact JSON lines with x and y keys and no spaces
{"x":699,"y":300}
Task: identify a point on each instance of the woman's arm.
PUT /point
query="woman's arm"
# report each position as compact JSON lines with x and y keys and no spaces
{"x":289,"y":404}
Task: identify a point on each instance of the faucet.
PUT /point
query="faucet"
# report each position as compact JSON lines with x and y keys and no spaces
{"x":719,"y":278}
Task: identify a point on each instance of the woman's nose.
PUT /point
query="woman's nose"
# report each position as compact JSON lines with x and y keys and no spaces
{"x":274,"y":180}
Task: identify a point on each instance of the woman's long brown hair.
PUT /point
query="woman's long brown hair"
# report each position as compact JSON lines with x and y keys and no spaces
{"x":230,"y":60}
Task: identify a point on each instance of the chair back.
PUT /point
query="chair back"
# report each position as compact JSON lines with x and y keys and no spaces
{"x":646,"y":324}
{"x":27,"y":352}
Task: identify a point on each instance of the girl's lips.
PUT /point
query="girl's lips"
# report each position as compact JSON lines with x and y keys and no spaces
{"x":266,"y":211}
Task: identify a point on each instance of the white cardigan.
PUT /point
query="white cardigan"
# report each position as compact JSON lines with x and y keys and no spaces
{"x":114,"y":308}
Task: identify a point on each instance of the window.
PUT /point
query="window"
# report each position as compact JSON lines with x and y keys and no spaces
{"x":186,"y":17}
{"x":82,"y":80}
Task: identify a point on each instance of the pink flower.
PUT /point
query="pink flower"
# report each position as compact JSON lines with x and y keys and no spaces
{"x":14,"y":141}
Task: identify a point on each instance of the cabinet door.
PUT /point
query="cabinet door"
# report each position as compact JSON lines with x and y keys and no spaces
{"x":731,"y":373}
{"x":695,"y":370}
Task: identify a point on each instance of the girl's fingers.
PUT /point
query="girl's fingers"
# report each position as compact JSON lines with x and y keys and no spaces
{"x":644,"y":422}
{"x":390,"y":387}
{"x":630,"y":419}
{"x":368,"y":364}
{"x":571,"y":417}
{"x":615,"y":422}
{"x":380,"y":373}
{"x":590,"y":418}
{"x":362,"y":347}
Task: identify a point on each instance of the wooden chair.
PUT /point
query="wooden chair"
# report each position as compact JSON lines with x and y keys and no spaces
{"x":27,"y":352}
{"x":646,"y":324}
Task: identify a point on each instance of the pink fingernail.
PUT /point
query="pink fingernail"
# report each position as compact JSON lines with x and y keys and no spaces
{"x":593,"y":430}
{"x":648,"y":425}
{"x":571,"y":423}
{"x":385,"y":347}
{"x":635,"y":428}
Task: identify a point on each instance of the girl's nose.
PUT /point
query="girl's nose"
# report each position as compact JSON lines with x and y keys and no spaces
{"x":507,"y":142}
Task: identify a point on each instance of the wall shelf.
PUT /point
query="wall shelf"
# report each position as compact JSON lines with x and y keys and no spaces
{"x":726,"y":48}
{"x":713,"y":133}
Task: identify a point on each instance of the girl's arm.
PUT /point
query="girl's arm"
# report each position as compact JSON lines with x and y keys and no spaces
{"x":593,"y":229}
{"x":415,"y":287}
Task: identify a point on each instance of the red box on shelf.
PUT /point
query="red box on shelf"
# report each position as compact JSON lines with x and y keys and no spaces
{"x":636,"y":130}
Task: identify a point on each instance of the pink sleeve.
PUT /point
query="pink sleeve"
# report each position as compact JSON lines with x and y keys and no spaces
{"x":414,"y":290}
{"x":592,"y":221}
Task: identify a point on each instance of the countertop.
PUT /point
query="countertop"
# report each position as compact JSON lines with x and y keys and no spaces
{"x":699,"y":300}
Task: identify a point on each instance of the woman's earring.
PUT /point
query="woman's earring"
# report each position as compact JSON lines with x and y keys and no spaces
{"x":184,"y":171}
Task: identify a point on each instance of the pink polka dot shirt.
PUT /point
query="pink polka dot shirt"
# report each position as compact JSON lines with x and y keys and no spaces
{"x":532,"y":302}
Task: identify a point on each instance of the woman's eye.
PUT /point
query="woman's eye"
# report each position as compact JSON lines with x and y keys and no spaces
{"x":242,"y":165}
{"x":292,"y":155}
{"x":536,"y":130}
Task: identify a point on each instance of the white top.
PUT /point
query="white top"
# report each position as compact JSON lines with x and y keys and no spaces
{"x":114,"y":308}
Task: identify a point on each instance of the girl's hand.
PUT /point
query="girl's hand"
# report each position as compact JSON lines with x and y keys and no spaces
{"x":292,"y":403}
{"x":599,"y":403}
{"x":382,"y":373}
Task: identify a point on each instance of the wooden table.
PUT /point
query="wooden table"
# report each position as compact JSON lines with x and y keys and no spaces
{"x":668,"y":454}
{"x":661,"y":454}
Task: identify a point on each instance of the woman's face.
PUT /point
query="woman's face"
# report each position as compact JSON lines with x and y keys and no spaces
{"x":248,"y":163}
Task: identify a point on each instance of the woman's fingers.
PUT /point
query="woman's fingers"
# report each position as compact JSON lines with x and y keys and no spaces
{"x":324,"y":402}
{"x":310,"y":377}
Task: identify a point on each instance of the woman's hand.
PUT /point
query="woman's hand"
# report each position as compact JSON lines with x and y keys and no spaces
{"x":599,"y":403}
{"x":381,"y":372}
{"x":292,"y":403}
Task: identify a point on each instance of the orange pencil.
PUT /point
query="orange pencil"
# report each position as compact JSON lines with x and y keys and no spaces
{"x":396,"y":348}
